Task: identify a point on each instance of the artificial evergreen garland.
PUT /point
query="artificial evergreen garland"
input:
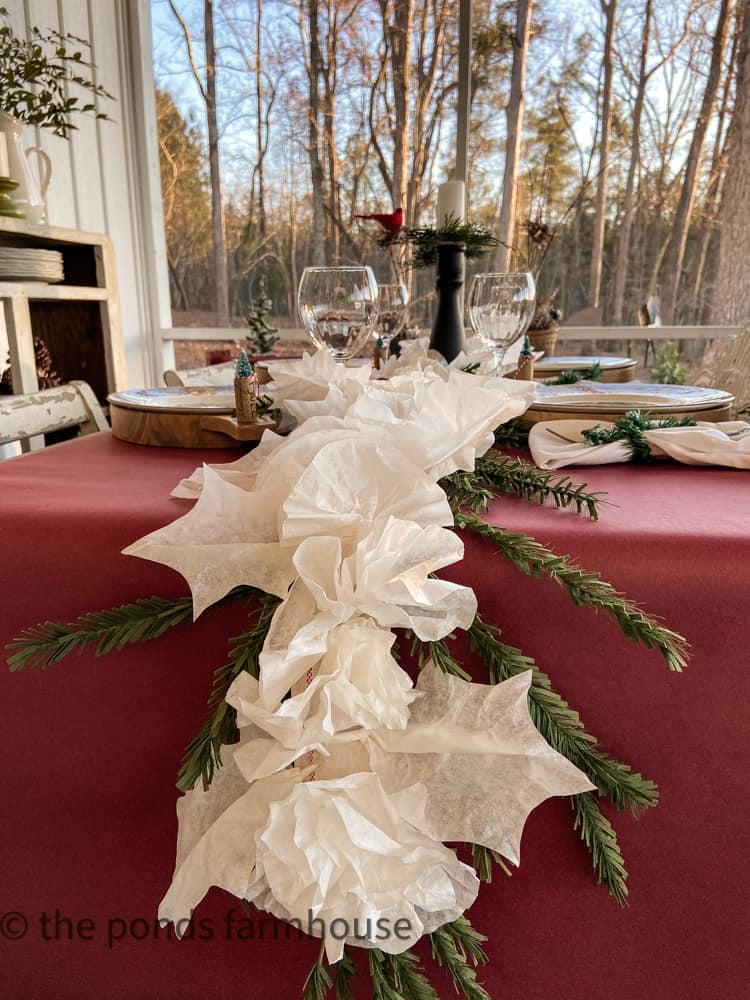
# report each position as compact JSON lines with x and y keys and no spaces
{"x":455,"y":946}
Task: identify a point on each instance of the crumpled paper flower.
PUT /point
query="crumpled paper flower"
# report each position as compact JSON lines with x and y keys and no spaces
{"x":344,"y":853}
{"x":351,"y":482}
{"x":439,"y":421}
{"x":483,"y":764}
{"x":334,"y":479}
{"x":416,"y":354}
{"x":451,"y":419}
{"x":216,"y":839}
{"x":357,"y":686}
{"x":387,"y":576}
{"x":309,"y":378}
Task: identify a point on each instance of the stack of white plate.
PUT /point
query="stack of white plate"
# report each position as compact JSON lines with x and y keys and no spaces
{"x":28,"y":264}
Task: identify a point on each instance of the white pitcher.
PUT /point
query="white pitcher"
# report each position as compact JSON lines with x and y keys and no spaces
{"x":30,"y":193}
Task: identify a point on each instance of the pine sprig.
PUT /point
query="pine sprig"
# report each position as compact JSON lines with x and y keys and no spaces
{"x":440,"y":655}
{"x":477,"y":240}
{"x":586,"y":589}
{"x":408,"y":978}
{"x":513,"y":475}
{"x":600,"y":838}
{"x":203,"y":753}
{"x":382,"y":988}
{"x":467,"y":490}
{"x":482,"y":858}
{"x":453,"y":946}
{"x":345,"y":972}
{"x":569,"y":376}
{"x":318,"y":981}
{"x":51,"y":642}
{"x":630,"y":428}
{"x":561,"y":725}
{"x":513,"y":434}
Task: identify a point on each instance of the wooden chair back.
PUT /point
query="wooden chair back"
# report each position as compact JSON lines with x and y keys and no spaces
{"x":28,"y":416}
{"x":726,"y":365}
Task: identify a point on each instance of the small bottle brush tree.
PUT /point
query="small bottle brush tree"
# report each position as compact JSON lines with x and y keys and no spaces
{"x":263,"y":336}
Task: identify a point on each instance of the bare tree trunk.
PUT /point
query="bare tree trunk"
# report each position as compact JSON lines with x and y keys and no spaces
{"x":399,"y":37}
{"x":316,"y":167}
{"x":676,"y":248}
{"x":221,"y":292}
{"x":514,"y":116}
{"x":626,"y":224}
{"x":712,"y":197}
{"x":259,"y":123}
{"x":609,"y":10}
{"x":732,"y":295}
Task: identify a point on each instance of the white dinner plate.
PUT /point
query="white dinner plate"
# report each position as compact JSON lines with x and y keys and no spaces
{"x":555,"y":364}
{"x":619,"y":397}
{"x":178,"y":399}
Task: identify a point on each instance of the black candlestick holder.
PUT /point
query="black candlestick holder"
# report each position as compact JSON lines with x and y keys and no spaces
{"x":448,"y":328}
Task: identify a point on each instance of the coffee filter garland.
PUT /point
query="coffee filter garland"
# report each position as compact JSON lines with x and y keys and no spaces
{"x":346,"y":521}
{"x":326,"y":785}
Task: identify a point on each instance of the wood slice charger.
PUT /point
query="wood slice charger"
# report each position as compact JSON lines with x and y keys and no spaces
{"x":182,"y":417}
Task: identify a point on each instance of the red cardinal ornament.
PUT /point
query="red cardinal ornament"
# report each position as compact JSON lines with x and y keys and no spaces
{"x":390,"y":223}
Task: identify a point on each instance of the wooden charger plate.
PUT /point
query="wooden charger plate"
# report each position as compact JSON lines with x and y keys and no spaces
{"x":182,"y":417}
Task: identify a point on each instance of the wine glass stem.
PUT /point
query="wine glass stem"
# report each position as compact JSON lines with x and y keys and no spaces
{"x":499,"y":357}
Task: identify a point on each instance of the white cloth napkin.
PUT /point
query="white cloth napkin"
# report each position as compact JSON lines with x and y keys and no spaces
{"x":557,"y":443}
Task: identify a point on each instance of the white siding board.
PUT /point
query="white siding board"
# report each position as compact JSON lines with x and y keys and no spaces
{"x":116,"y":183}
{"x":61,"y":206}
{"x":106,"y":177}
{"x":86,"y":168}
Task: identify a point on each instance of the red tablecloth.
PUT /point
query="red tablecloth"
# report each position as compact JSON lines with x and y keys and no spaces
{"x":91,"y":747}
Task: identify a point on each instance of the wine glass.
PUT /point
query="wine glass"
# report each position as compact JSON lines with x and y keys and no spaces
{"x":501,"y":306}
{"x":393,"y":304}
{"x":338,"y":307}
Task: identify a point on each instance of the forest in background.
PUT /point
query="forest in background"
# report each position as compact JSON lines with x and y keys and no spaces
{"x":619,"y":126}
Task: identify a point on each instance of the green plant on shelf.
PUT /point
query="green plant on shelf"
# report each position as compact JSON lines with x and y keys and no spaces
{"x":36,"y":74}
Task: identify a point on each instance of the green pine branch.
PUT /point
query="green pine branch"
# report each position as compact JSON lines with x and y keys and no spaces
{"x":561,"y":725}
{"x":408,"y":978}
{"x":513,"y":434}
{"x":454,"y":946}
{"x":345,"y":972}
{"x":600,"y":838}
{"x":51,"y":642}
{"x":482,"y":858}
{"x":318,"y":981}
{"x":203,"y":753}
{"x":630,"y":428}
{"x":440,"y":655}
{"x":585,"y":588}
{"x":513,"y":475}
{"x":563,"y":730}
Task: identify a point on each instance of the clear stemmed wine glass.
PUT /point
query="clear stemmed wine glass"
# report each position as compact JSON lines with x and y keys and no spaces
{"x":393,"y":306}
{"x":338,"y":307}
{"x":501,"y":306}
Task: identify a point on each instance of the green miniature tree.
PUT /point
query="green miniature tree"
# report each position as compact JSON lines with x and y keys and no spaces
{"x":263,"y":336}
{"x":244,"y":369}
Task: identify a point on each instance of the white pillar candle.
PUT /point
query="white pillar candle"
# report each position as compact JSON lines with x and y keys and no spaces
{"x":451,"y":201}
{"x":4,"y":166}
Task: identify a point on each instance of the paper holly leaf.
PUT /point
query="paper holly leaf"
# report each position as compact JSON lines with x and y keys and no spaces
{"x":477,"y":753}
